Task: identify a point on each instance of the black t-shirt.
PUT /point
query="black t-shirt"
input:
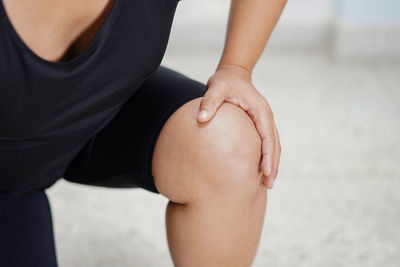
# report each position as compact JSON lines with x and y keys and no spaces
{"x":48,"y":110}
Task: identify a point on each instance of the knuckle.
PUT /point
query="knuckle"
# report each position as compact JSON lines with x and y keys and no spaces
{"x":261,"y":115}
{"x":264,"y":104}
{"x":221,"y":83}
{"x":268,"y":137}
{"x":265,"y":110}
{"x":256,"y":112}
{"x":210,"y":99}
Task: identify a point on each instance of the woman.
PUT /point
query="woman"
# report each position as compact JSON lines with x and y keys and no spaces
{"x":83,"y":97}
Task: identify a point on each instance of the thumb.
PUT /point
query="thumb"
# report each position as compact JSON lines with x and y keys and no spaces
{"x":212,"y":99}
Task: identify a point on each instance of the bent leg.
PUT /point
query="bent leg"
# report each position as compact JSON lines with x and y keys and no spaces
{"x":210,"y":172}
{"x":120,"y":154}
{"x":26,"y":231}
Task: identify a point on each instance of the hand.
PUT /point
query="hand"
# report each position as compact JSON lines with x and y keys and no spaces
{"x":232,"y":83}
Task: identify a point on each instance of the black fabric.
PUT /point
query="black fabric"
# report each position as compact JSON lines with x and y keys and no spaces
{"x":93,"y":120}
{"x":120,"y":155}
{"x":117,"y":156}
{"x":50,"y":110}
{"x":26,"y":231}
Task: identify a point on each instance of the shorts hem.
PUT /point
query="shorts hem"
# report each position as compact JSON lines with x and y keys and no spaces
{"x":155,"y":134}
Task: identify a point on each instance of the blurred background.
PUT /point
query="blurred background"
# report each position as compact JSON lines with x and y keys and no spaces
{"x":331,"y":73}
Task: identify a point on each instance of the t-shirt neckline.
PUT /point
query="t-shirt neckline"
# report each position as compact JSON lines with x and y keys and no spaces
{"x":101,"y":34}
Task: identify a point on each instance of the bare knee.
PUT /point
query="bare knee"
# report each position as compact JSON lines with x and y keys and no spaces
{"x":208,"y":159}
{"x":228,"y":155}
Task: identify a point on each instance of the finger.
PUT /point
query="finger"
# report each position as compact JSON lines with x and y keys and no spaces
{"x":212,"y":99}
{"x":263,"y":118}
{"x":278,"y":149}
{"x":269,"y":180}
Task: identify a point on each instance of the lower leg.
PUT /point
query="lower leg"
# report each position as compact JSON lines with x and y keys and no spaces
{"x":26,"y":233}
{"x":219,"y":231}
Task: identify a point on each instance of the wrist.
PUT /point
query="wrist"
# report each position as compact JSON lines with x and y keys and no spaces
{"x":237,"y":68}
{"x":231,"y":64}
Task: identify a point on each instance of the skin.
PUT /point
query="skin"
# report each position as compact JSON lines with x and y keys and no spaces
{"x":57,"y":30}
{"x":250,"y":25}
{"x":213,"y":170}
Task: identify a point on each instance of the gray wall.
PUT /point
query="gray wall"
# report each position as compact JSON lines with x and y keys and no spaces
{"x":346,"y":28}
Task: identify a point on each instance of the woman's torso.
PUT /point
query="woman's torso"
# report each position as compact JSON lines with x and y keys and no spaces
{"x":57,"y":91}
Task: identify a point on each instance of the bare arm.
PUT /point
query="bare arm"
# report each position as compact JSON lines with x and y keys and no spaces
{"x":250,"y":25}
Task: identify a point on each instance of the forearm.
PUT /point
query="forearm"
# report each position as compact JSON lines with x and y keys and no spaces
{"x":250,"y":25}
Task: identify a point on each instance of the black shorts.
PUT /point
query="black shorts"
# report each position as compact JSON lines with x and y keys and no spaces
{"x":120,"y":155}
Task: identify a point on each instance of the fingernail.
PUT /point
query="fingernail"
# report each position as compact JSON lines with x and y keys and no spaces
{"x":203,"y":114}
{"x":267,"y":183}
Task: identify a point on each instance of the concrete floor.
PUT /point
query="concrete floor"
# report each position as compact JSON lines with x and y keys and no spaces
{"x":336,"y":201}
